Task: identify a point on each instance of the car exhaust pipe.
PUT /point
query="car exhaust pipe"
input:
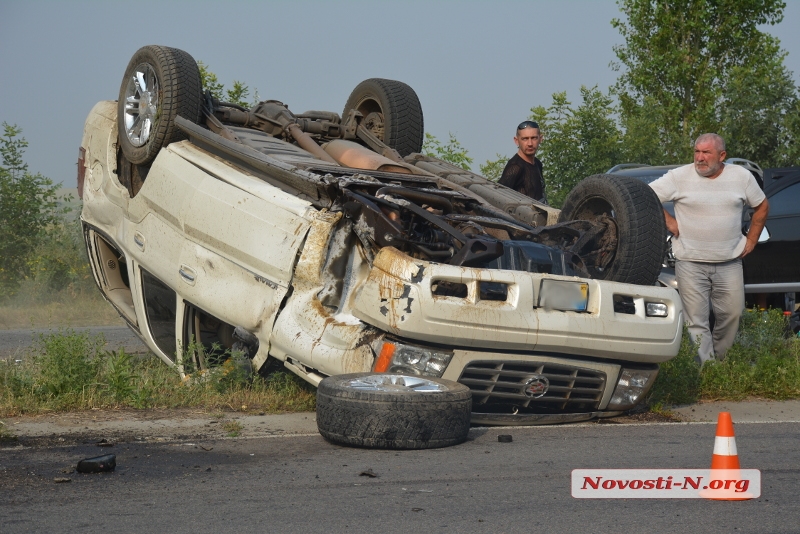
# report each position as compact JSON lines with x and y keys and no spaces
{"x":351,"y":154}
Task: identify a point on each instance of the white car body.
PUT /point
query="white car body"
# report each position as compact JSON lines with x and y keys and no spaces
{"x":243,"y":251}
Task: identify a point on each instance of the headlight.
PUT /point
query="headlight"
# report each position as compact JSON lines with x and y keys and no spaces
{"x":632,"y":386}
{"x":656,"y":309}
{"x":394,"y":357}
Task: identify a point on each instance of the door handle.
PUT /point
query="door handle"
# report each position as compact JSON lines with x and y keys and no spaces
{"x":187,"y":274}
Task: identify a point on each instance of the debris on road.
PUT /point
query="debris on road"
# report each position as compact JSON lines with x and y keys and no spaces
{"x":98,"y":464}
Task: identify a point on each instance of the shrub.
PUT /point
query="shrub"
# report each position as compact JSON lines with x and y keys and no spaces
{"x":764,"y":362}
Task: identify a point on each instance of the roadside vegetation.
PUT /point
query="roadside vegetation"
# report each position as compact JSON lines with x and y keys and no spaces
{"x":763,"y":363}
{"x":70,"y":371}
{"x":44,"y":273}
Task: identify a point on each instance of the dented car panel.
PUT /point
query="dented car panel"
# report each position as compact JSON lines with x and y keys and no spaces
{"x":399,"y":296}
{"x":244,"y":235}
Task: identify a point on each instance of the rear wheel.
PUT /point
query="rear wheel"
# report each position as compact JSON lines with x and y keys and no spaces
{"x":390,"y":411}
{"x":639,"y":220}
{"x":159,"y":84}
{"x":391,"y":111}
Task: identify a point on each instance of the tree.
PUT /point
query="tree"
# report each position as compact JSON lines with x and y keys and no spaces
{"x":752,"y":115}
{"x":493,"y":169}
{"x":238,"y":94}
{"x":28,"y":207}
{"x":693,"y":66}
{"x":577,"y":142}
{"x":452,"y":152}
{"x":789,"y":138}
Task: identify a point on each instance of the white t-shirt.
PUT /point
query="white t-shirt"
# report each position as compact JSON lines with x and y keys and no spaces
{"x":709,"y":211}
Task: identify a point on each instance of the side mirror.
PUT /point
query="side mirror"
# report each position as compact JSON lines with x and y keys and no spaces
{"x":764,"y":237}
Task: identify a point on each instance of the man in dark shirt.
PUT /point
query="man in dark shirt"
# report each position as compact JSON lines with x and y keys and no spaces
{"x":523,"y":172}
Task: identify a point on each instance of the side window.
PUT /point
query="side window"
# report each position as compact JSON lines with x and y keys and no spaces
{"x":159,"y":301}
{"x":210,"y":340}
{"x":785,"y":202}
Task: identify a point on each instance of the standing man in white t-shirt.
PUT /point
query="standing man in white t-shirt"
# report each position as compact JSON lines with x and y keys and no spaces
{"x":709,"y":197}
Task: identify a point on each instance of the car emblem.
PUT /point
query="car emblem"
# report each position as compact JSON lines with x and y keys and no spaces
{"x":536,"y":386}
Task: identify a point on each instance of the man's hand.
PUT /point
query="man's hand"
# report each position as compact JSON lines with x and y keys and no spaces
{"x":757,"y":222}
{"x":672,"y":224}
{"x":748,"y":247}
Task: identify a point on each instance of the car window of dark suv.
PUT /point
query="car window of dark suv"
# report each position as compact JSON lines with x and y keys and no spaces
{"x":786,"y":202}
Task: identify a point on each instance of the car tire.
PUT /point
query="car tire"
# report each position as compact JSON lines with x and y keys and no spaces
{"x":159,"y":84}
{"x":639,"y":217}
{"x":390,"y":411}
{"x":391,"y":111}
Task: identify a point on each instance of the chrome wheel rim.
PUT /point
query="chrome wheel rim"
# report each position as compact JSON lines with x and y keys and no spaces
{"x":141,"y":104}
{"x":396,"y":383}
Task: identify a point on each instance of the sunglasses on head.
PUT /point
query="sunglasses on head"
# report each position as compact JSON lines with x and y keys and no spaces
{"x":527,"y":124}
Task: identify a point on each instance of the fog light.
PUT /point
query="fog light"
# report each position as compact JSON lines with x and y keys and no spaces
{"x":396,"y":357}
{"x":656,"y":309}
{"x":632,"y":386}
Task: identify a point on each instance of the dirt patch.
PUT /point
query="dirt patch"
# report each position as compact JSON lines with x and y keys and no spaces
{"x":126,"y":426}
{"x":643,"y":417}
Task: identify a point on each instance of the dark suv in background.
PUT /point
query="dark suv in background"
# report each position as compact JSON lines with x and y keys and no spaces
{"x":772,"y":270}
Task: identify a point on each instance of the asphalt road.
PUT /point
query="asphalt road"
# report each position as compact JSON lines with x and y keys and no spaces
{"x":303,"y":484}
{"x":13,"y":343}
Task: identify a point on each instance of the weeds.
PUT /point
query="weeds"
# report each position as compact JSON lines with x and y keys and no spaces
{"x":233,"y":428}
{"x":5,"y":434}
{"x":71,"y":371}
{"x":678,"y":380}
{"x":764,"y":362}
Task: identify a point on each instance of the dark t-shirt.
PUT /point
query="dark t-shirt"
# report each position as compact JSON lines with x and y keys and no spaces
{"x":521,"y":176}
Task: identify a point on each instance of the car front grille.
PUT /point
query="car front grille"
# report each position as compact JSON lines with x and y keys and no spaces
{"x":500,"y":386}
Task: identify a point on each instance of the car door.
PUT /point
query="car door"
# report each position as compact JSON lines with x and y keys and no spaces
{"x":776,"y":260}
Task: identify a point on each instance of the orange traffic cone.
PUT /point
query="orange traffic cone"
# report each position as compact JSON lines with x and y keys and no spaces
{"x":725,"y":455}
{"x":724,"y":463}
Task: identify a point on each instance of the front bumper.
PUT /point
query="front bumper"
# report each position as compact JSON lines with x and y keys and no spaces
{"x":399,"y":297}
{"x":532,"y":419}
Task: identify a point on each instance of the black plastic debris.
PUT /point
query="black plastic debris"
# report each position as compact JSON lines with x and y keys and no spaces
{"x":98,"y":464}
{"x":505,"y":438}
{"x":368,"y":473}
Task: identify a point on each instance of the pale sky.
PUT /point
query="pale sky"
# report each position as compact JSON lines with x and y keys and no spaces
{"x":478,"y":67}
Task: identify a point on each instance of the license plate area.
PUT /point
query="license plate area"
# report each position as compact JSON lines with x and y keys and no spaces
{"x":563,"y":295}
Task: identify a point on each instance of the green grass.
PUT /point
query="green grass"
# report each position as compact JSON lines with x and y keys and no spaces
{"x":233,"y":428}
{"x":764,"y":362}
{"x":69,"y":371}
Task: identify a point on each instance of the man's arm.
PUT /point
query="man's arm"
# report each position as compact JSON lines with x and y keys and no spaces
{"x":757,"y":222}
{"x":672,"y":223}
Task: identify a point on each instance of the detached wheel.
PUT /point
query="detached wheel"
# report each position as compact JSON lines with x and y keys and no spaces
{"x":639,"y":218}
{"x":390,"y":411}
{"x":391,"y":111}
{"x":159,"y":84}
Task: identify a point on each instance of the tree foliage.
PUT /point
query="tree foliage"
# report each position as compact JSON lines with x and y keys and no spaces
{"x":451,"y":152}
{"x":28,"y":207}
{"x":576,"y":141}
{"x":493,"y":169}
{"x":695,"y":66}
{"x":239,"y":94}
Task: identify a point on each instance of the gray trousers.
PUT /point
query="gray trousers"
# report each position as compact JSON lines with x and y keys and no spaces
{"x":711,"y":285}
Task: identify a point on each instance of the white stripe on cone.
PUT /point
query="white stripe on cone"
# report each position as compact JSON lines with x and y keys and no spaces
{"x":725,"y":446}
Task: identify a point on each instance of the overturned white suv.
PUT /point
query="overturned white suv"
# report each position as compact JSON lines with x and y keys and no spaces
{"x":330,"y":245}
